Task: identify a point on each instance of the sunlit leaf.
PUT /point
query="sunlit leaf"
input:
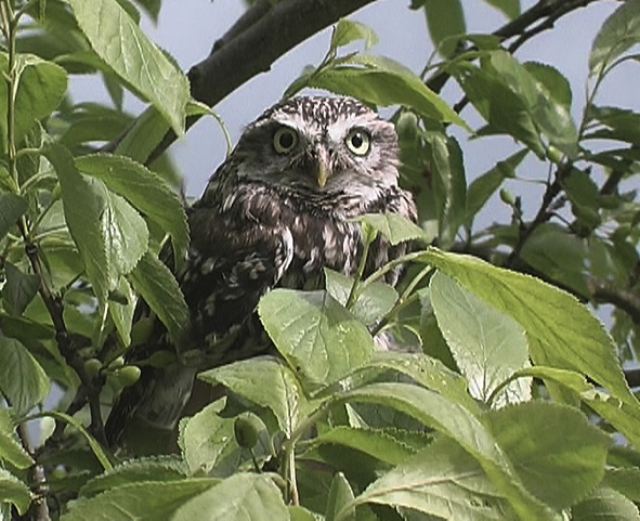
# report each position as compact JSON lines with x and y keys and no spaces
{"x":487,"y":345}
{"x":145,"y":190}
{"x":605,"y":504}
{"x":242,"y":497}
{"x":557,"y":453}
{"x":14,"y":491}
{"x":373,"y":303}
{"x":161,"y":468}
{"x":267,"y":383}
{"x":442,"y":480}
{"x":618,"y":33}
{"x":144,"y":501}
{"x":318,"y":337}
{"x":564,"y":331}
{"x":117,"y":39}
{"x":348,"y":31}
{"x":40,"y":87}
{"x":383,"y":82}
{"x":458,"y":423}
{"x":11,"y":450}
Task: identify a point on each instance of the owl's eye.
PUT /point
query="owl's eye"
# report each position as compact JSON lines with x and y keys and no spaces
{"x":284,"y":140}
{"x":359,"y":142}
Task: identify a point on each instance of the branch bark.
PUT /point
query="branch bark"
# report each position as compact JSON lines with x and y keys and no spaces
{"x":254,"y":43}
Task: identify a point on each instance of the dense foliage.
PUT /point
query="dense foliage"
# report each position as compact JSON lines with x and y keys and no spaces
{"x":512,"y":403}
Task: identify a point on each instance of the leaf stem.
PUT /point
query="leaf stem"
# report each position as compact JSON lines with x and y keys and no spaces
{"x":381,"y":272}
{"x":405,"y":299}
{"x":368,"y":235}
{"x":9,"y":29}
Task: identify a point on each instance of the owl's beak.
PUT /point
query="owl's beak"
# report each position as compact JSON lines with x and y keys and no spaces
{"x":322,"y":170}
{"x":322,"y":173}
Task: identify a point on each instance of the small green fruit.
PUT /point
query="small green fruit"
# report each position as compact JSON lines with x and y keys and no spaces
{"x":92,"y":367}
{"x":507,"y":197}
{"x":127,"y":375}
{"x":246,"y":429}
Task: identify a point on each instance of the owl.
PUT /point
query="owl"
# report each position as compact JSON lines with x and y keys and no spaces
{"x":275,"y":213}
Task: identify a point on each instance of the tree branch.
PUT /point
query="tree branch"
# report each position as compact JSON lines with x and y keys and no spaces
{"x":253,"y":44}
{"x":63,"y":339}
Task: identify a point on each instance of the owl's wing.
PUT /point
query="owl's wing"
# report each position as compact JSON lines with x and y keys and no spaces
{"x":233,"y":261}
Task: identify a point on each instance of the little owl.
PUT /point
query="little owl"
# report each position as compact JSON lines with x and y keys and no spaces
{"x":275,"y":213}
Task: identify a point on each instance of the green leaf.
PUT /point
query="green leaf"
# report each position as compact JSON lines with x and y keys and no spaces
{"x":11,"y":449}
{"x":373,"y":303}
{"x":317,"y":336}
{"x":622,"y":415}
{"x":267,"y":383}
{"x":484,"y":186}
{"x":393,"y":227}
{"x":41,"y":86}
{"x":144,"y":135}
{"x":624,"y":480}
{"x":605,"y":504}
{"x":558,"y":455}
{"x":380,"y":81}
{"x":152,"y":7}
{"x":12,"y":207}
{"x":19,"y":289}
{"x":618,"y":33}
{"x":110,"y":235}
{"x":160,"y":290}
{"x":95,"y":447}
{"x":122,"y":312}
{"x":145,"y":190}
{"x":511,"y":8}
{"x":348,"y":31}
{"x":159,"y":468}
{"x":445,"y":20}
{"x":375,"y":442}
{"x":117,"y":39}
{"x":449,"y":184}
{"x":130,"y":9}
{"x":207,"y":438}
{"x":92,"y":122}
{"x":513,"y":101}
{"x":302,"y":514}
{"x":458,"y":423}
{"x":621,"y":124}
{"x":442,"y":480}
{"x":503,"y":109}
{"x":340,"y":496}
{"x":557,"y":85}
{"x":14,"y":491}
{"x":242,"y":497}
{"x":559,"y":255}
{"x":551,"y":117}
{"x":487,"y":345}
{"x":22,"y":380}
{"x":143,"y":501}
{"x":426,"y":371}
{"x":561,"y":331}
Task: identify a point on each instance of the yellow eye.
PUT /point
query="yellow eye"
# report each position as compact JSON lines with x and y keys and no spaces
{"x":359,"y":142}
{"x":284,"y":140}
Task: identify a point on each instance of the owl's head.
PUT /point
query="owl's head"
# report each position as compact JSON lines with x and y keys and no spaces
{"x":320,"y":145}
